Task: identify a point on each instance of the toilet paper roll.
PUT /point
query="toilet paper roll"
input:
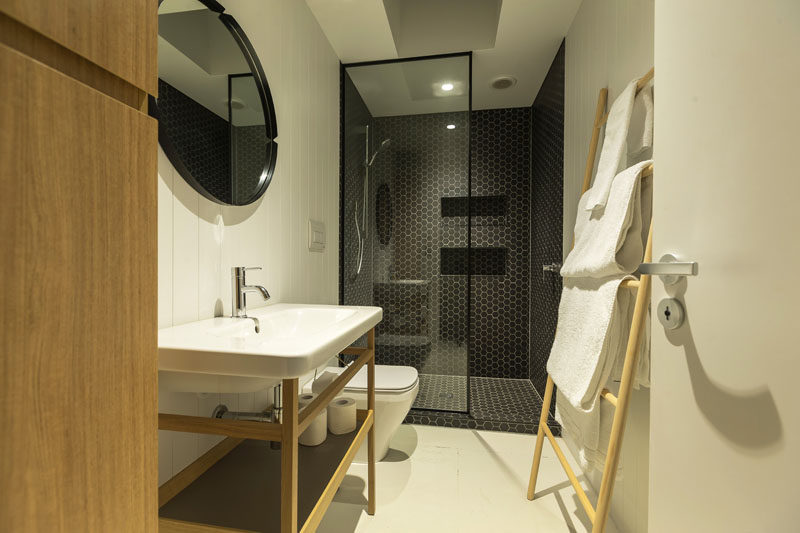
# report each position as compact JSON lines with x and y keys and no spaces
{"x":322,"y":381}
{"x":317,"y":432}
{"x":342,"y":415}
{"x":305,"y":399}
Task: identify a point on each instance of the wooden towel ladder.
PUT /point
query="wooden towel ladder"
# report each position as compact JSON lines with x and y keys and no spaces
{"x":599,"y":517}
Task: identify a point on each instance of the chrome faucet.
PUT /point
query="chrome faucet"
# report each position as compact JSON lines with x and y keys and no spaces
{"x":239,"y":290}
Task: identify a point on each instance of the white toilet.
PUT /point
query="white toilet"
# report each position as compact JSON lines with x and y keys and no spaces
{"x":396,"y":389}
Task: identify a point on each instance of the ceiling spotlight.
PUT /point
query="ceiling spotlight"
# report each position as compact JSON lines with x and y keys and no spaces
{"x":451,"y":126}
{"x":447,"y":86}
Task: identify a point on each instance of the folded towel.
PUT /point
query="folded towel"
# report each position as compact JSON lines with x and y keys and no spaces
{"x":574,"y":424}
{"x":641,"y":377}
{"x":614,"y":146}
{"x":615,"y":153}
{"x":593,"y":325}
{"x":588,"y":432}
{"x":594,"y":317}
{"x":610,"y":240}
{"x":640,"y":134}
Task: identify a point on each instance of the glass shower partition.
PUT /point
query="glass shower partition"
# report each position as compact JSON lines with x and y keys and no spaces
{"x":405,"y":229}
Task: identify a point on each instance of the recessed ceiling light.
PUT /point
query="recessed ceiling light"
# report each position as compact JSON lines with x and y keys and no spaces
{"x":504,"y":82}
{"x":451,"y":126}
{"x":447,"y":86}
{"x":236,"y":103}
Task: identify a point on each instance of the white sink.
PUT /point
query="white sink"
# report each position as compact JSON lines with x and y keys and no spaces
{"x":226,"y":354}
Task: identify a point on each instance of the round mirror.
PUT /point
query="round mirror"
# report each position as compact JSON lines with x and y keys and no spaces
{"x":216,"y":120}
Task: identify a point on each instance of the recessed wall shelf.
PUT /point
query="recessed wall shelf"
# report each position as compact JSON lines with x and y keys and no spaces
{"x":483,"y":261}
{"x":480,"y":206}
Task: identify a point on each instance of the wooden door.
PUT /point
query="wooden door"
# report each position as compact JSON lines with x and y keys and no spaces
{"x":118,"y":35}
{"x":78,"y":448}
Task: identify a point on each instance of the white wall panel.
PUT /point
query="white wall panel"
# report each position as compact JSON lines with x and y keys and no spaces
{"x":609,"y":43}
{"x":200,"y":241}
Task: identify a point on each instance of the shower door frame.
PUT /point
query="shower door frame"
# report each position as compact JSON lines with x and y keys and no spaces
{"x":342,"y":71}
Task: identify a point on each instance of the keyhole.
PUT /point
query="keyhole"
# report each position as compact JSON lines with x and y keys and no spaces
{"x":667,"y":312}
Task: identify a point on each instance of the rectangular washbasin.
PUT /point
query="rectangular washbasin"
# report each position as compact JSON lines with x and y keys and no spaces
{"x":226,"y":354}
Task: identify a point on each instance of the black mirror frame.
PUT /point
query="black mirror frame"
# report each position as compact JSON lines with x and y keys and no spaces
{"x":267,"y":106}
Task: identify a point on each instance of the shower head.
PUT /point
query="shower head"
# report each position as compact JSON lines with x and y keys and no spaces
{"x":383,"y":145}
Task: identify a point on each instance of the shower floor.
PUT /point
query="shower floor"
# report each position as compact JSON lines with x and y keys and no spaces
{"x":444,"y":393}
{"x":499,"y":404}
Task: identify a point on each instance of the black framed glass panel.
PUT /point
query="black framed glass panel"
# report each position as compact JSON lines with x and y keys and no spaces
{"x":406,"y":148}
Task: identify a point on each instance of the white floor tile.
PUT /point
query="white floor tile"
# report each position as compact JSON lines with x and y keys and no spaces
{"x":447,"y":480}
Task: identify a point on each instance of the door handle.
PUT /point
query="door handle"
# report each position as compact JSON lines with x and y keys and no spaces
{"x":669,"y":269}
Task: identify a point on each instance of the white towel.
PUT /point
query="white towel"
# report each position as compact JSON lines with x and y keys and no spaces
{"x":614,"y":146}
{"x":573,"y":424}
{"x":610,"y":240}
{"x":640,"y":134}
{"x":615,"y":151}
{"x":588,"y":433}
{"x":594,"y":316}
{"x":593,"y":322}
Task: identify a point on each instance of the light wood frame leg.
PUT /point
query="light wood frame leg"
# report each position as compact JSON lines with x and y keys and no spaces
{"x":289,"y":454}
{"x":626,"y":386}
{"x":371,"y":434}
{"x":537,"y":454}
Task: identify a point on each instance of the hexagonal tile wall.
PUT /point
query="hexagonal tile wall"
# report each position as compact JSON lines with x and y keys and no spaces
{"x":515,"y":216}
{"x":200,"y":137}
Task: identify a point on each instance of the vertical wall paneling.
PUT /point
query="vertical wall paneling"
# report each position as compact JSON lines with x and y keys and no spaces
{"x":200,"y":241}
{"x":609,"y":43}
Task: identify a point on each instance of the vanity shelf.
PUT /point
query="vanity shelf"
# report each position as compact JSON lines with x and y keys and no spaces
{"x":242,"y":484}
{"x":242,"y":491}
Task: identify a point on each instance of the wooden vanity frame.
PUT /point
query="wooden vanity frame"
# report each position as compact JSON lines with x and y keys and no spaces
{"x":287,"y":433}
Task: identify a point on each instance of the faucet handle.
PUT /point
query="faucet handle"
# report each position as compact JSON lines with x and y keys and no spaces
{"x":239,"y":272}
{"x":245,"y":269}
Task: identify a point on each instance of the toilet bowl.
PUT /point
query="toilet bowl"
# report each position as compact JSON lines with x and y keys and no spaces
{"x":396,"y":389}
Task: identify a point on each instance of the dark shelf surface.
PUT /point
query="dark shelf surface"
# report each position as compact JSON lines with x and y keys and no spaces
{"x":242,"y":490}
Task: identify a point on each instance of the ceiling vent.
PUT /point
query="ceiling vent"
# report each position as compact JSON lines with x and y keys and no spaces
{"x":504,"y":82}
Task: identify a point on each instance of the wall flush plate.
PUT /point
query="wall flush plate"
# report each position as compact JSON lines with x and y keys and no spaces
{"x":316,"y":236}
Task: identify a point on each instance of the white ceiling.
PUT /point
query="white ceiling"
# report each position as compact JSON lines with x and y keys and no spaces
{"x":445,"y":25}
{"x":195,"y":55}
{"x":413,"y":87}
{"x":528,"y":35}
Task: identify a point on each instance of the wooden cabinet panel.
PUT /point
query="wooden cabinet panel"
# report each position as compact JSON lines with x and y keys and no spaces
{"x":118,"y":35}
{"x":78,"y":355}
